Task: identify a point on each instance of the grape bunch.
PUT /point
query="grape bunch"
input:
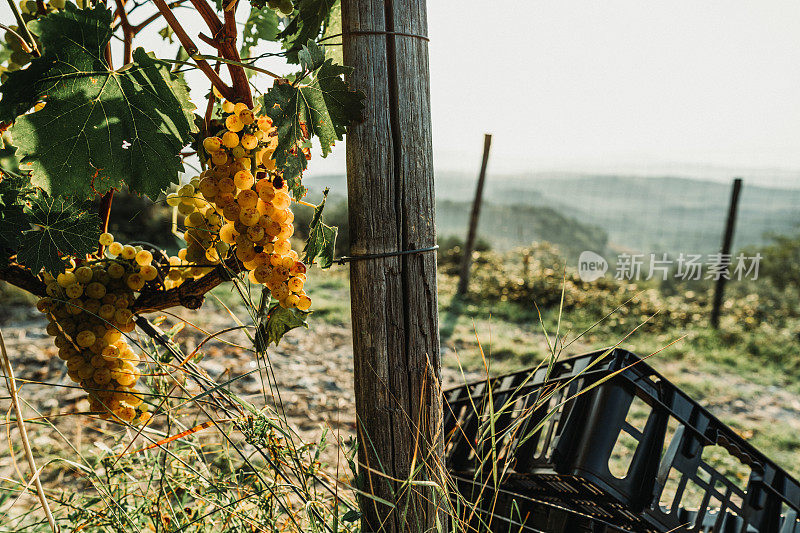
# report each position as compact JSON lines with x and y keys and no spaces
{"x":240,"y":206}
{"x":89,"y":310}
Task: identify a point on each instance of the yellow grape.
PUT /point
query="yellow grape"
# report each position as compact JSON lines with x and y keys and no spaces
{"x":106,"y":311}
{"x":85,"y":338}
{"x":286,"y":231}
{"x":249,"y":141}
{"x":264,"y":123}
{"x":244,"y":253}
{"x":74,"y":291}
{"x":135,"y":281}
{"x":279,"y":215}
{"x":239,"y":153}
{"x":227,"y":234}
{"x":226,"y":185}
{"x":262,"y":274}
{"x":116,"y":270}
{"x":295,"y":284}
{"x":281,"y":200}
{"x":248,"y":199}
{"x":186,"y":209}
{"x":102,"y":376}
{"x":255,"y":233}
{"x":95,"y":290}
{"x":173,"y":199}
{"x":65,"y":279}
{"x":280,"y":292}
{"x":112,"y":335}
{"x":144,"y":257}
{"x":231,"y":212}
{"x":303,"y":302}
{"x":115,"y":248}
{"x":244,"y":180}
{"x":233,"y":123}
{"x":227,"y":106}
{"x":148,"y":272}
{"x":230,"y":139}
{"x":84,"y":273}
{"x":219,"y":158}
{"x":249,"y":216}
{"x":212,"y":144}
{"x":128,"y":252}
{"x":208,"y":187}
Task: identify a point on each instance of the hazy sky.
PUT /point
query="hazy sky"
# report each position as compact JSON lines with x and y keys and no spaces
{"x":607,"y":84}
{"x":618,"y":81}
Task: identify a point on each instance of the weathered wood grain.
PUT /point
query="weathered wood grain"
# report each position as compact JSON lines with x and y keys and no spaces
{"x":394,"y":299}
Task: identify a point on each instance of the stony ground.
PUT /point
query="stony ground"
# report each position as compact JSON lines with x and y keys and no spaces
{"x":313,"y":372}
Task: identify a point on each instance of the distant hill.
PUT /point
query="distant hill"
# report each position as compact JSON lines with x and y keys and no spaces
{"x":508,"y":226}
{"x":646,"y":214}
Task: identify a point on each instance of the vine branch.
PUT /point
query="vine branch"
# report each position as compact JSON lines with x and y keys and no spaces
{"x":223,"y":38}
{"x":24,"y":29}
{"x":191,"y":49}
{"x":128,"y":32}
{"x":189,"y":294}
{"x":155,"y":16}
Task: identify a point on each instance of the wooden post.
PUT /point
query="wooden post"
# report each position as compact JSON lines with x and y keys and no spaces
{"x":727,"y":241}
{"x":469,"y":244}
{"x":394,"y":299}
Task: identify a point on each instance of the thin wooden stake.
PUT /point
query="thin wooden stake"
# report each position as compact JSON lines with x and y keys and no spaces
{"x":12,"y":391}
{"x":469,"y":244}
{"x":727,"y":241}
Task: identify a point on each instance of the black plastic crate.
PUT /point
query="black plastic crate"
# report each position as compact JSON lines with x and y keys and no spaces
{"x":502,"y":511}
{"x":622,"y":445}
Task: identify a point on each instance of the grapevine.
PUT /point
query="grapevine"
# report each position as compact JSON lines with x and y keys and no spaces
{"x":236,"y":217}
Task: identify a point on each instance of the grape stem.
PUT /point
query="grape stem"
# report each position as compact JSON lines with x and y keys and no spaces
{"x":224,"y":40}
{"x":105,"y":215}
{"x":128,"y":32}
{"x":22,"y":41}
{"x":303,"y":202}
{"x":31,"y":42}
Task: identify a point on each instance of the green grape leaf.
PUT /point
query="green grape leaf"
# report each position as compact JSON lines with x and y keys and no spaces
{"x":324,"y":107}
{"x":321,"y":243}
{"x":311,"y":57}
{"x":311,"y":17}
{"x":9,"y":164}
{"x":99,"y":128}
{"x":13,"y":220}
{"x":261,"y":25}
{"x":62,"y":228}
{"x":166,"y":33}
{"x":278,"y":322}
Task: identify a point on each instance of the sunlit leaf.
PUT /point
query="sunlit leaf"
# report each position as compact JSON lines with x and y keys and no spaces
{"x":321,"y":243}
{"x":98,"y":128}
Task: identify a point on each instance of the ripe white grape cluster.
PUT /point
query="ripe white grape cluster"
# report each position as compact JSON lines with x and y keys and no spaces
{"x":240,"y":206}
{"x":89,"y":309}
